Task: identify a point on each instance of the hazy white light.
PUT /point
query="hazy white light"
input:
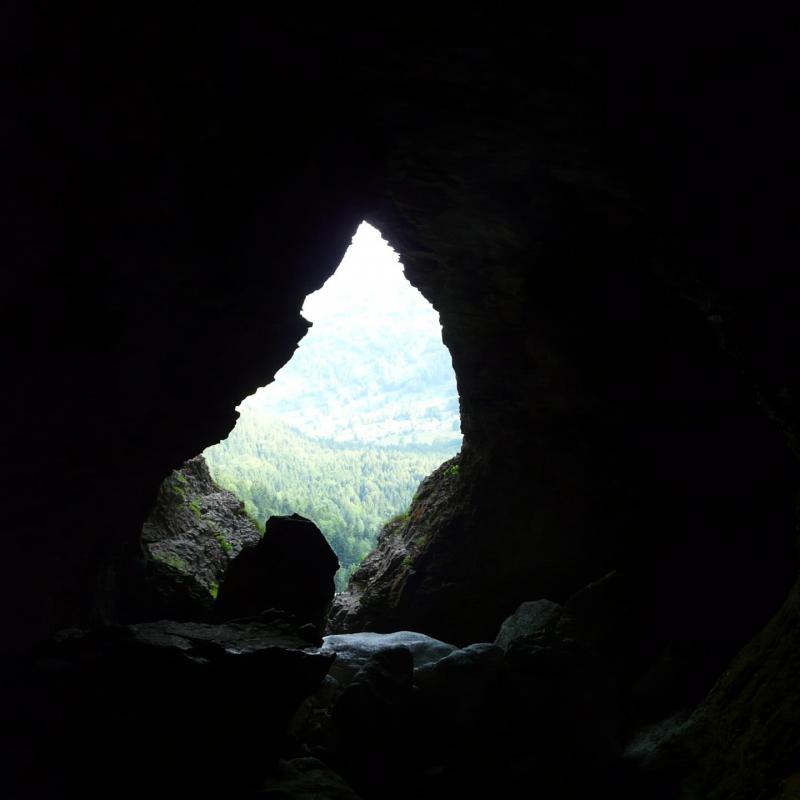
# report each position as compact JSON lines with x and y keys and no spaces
{"x":370,"y":278}
{"x":373,"y":366}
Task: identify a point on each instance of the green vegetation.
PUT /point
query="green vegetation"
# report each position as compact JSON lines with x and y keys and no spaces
{"x":366,"y":408}
{"x":171,"y":560}
{"x":195,"y":508}
{"x":177,"y":489}
{"x":451,"y":472}
{"x":223,"y":542}
{"x":213,"y":590}
{"x":348,"y":491}
{"x":401,"y":517}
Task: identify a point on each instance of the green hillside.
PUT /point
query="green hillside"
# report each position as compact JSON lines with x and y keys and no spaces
{"x":366,"y":408}
{"x":348,"y":490}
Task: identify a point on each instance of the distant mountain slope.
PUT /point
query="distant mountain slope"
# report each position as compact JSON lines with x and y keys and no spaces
{"x":348,"y":490}
{"x":373,"y":367}
{"x":366,"y":408}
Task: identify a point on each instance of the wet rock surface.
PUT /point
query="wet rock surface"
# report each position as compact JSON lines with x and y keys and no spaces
{"x":291,"y":569}
{"x":193,"y":532}
{"x":544,"y":709}
{"x":353,"y":650}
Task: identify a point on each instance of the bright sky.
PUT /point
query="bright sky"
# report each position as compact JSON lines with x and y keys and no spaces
{"x":373,"y":365}
{"x":369,"y":277}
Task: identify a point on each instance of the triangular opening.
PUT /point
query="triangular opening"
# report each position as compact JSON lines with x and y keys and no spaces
{"x":365,"y":409}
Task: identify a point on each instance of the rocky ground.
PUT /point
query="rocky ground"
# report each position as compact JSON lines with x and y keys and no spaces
{"x":560,"y":702}
{"x":567,"y":699}
{"x":263,"y":707}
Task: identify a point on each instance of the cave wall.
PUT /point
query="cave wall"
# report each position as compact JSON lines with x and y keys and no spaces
{"x":594,"y":212}
{"x":609,"y":422}
{"x":167,"y":212}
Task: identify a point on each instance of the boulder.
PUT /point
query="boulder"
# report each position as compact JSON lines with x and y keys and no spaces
{"x":532,"y":618}
{"x":374,"y":724}
{"x":291,"y":569}
{"x":462,"y":684}
{"x":313,"y":725}
{"x":569,"y":691}
{"x":172,"y":708}
{"x":379,"y":691}
{"x":193,"y":532}
{"x":353,"y":650}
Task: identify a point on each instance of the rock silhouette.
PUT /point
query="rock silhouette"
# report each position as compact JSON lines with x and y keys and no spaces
{"x":290,"y":569}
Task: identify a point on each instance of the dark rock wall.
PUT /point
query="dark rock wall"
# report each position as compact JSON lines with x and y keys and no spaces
{"x":291,"y":569}
{"x":385,"y":590}
{"x":175,"y":187}
{"x":604,"y":426}
{"x":594,"y":206}
{"x":743,"y":737}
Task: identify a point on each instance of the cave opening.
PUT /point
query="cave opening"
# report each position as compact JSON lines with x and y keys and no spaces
{"x":365,"y":409}
{"x":596,"y":205}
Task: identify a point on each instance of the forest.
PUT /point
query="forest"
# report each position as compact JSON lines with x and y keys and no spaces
{"x":348,"y":490}
{"x":365,"y":409}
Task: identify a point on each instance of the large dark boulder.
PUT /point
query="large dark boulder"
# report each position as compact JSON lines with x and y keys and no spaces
{"x":168,"y":709}
{"x":193,"y":532}
{"x":533,"y":616}
{"x":458,"y":691}
{"x":291,"y":568}
{"x":373,"y":719}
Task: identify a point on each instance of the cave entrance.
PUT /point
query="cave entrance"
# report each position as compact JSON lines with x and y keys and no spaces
{"x":366,"y":408}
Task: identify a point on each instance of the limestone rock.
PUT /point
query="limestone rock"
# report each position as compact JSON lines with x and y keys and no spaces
{"x":381,"y":687}
{"x":168,"y":708}
{"x":462,"y":684}
{"x":353,"y":650}
{"x":743,"y":736}
{"x":406,"y":556}
{"x":313,"y":725}
{"x":531,"y":618}
{"x":187,"y":542}
{"x":291,"y":569}
{"x":373,"y":718}
{"x":565,"y":686}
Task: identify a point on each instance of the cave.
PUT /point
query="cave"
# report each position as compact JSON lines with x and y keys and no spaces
{"x":597,"y":208}
{"x":365,"y":409}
